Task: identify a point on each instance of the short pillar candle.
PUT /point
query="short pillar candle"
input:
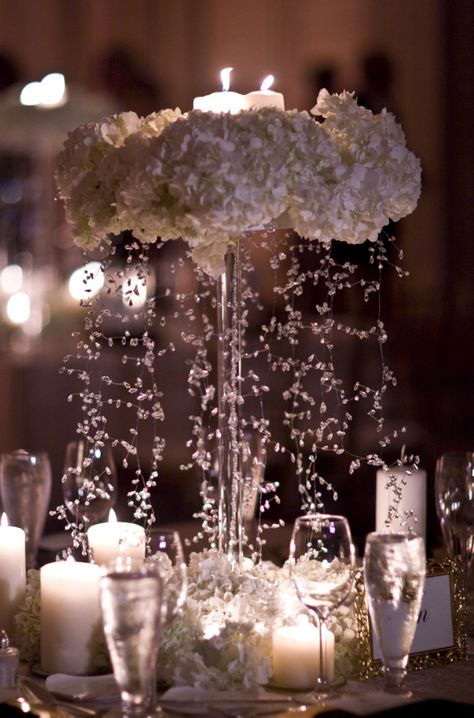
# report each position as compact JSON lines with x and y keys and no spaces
{"x":71,"y":620}
{"x":296,"y":655}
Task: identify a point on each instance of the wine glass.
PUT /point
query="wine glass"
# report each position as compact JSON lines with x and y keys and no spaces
{"x":89,"y":482}
{"x":322,"y":560}
{"x":394,"y":577}
{"x":165,"y":551}
{"x":454,"y":496}
{"x":131,"y":595}
{"x":25,"y":488}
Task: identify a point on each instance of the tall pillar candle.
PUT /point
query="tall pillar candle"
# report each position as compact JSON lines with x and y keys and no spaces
{"x":70,"y":616}
{"x":112,"y":538}
{"x":404,"y":489}
{"x":12,"y":572}
{"x":296,"y":656}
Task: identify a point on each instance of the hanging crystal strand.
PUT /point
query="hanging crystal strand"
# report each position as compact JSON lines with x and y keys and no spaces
{"x":229,"y":339}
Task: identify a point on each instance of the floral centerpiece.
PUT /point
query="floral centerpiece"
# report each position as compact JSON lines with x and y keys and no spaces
{"x":217,"y":181}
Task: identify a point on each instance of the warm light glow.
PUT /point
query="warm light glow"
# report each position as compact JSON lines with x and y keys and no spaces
{"x":112,"y":517}
{"x":225,"y":78}
{"x":18,"y":308}
{"x":86,"y":281}
{"x":11,"y":278}
{"x":70,"y":559}
{"x":267,"y":82}
{"x":4,"y":520}
{"x":50,"y":92}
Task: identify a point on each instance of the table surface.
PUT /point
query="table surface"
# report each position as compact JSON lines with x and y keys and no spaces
{"x":453,"y":682}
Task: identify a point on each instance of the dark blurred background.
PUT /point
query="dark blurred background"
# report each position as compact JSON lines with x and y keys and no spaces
{"x":413,"y":57}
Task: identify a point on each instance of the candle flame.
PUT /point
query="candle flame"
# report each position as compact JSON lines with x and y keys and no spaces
{"x":70,"y":559}
{"x":225,"y":78}
{"x":4,"y":520}
{"x":112,"y":517}
{"x":267,"y":82}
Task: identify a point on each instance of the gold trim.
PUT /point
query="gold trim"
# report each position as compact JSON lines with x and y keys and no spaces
{"x":369,"y":667}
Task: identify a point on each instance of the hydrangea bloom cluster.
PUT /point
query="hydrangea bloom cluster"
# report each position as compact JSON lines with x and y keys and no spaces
{"x":224,"y":637}
{"x":209,"y":177}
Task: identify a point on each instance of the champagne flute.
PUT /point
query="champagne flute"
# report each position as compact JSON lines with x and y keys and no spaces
{"x":394,"y":577}
{"x":89,"y":482}
{"x":322,"y":560}
{"x":25,"y":488}
{"x":166,"y":553}
{"x":454,"y":495}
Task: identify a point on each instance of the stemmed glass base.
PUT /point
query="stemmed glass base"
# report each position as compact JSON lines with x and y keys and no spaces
{"x":394,"y":681}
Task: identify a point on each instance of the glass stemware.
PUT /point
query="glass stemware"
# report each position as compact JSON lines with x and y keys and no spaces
{"x":89,"y":482}
{"x":131,"y":595}
{"x":25,"y":489}
{"x":454,"y":497}
{"x":166,"y":553}
{"x":322,"y":560}
{"x":394,"y":577}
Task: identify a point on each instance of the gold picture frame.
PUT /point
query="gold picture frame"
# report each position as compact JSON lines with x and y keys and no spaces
{"x":447,"y":588}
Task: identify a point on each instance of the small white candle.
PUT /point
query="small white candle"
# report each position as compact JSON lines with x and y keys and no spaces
{"x":70,"y":616}
{"x":224,"y":101}
{"x":113,"y":538}
{"x":12,"y":572}
{"x":296,"y":655}
{"x":412,"y":484}
{"x":265,"y":97}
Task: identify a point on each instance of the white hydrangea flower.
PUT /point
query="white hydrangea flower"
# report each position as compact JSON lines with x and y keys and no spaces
{"x":207,"y":178}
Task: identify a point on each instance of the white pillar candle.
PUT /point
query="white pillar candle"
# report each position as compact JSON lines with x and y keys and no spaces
{"x":70,"y":616}
{"x":296,"y":655}
{"x":411,"y":483}
{"x":113,"y":538}
{"x":224,"y":101}
{"x":265,"y":97}
{"x":12,"y":572}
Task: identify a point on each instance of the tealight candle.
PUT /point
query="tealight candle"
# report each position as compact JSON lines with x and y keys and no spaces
{"x":70,"y":616}
{"x":225,"y":101}
{"x":112,"y":538}
{"x":296,"y":655}
{"x":12,"y":572}
{"x":265,"y":97}
{"x":412,"y":504}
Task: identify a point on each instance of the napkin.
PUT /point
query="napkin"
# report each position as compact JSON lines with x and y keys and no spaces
{"x":83,"y":688}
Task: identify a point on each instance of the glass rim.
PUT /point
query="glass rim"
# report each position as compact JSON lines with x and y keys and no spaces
{"x":24,"y":455}
{"x":393,"y":536}
{"x":128,"y":566}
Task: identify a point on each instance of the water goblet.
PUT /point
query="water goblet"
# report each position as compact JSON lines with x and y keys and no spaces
{"x":322,"y":560}
{"x":165,"y":551}
{"x":25,"y":489}
{"x":131,"y":595}
{"x":454,"y":497}
{"x":394,"y":577}
{"x":89,"y":482}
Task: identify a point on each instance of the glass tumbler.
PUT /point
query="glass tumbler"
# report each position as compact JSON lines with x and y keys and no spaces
{"x":25,"y":490}
{"x":131,"y":594}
